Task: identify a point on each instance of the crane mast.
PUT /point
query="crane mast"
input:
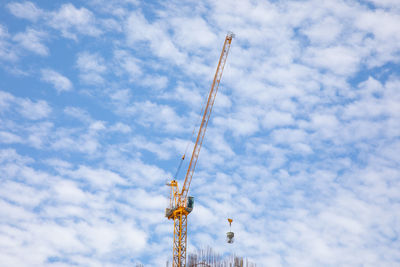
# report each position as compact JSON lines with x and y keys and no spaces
{"x":180,"y":204}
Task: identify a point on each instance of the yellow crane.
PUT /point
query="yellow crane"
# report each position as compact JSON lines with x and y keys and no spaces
{"x":180,"y":204}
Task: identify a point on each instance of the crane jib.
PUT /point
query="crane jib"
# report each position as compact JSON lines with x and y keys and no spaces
{"x":206,"y":117}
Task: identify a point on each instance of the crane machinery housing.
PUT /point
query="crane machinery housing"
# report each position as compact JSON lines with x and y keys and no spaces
{"x":181,"y":204}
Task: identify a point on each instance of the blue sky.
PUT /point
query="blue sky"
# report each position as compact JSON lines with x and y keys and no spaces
{"x":98,"y":100}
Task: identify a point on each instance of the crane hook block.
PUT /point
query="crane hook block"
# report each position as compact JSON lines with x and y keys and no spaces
{"x":230,"y":237}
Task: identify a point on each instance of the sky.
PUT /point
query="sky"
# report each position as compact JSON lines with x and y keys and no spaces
{"x":99,"y":98}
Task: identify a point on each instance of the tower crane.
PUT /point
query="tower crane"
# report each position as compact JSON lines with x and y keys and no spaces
{"x":180,"y":203}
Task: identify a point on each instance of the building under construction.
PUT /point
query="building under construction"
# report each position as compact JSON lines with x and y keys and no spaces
{"x":208,"y":258}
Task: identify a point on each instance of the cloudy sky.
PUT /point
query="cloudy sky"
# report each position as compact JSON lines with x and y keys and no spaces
{"x":98,"y":100}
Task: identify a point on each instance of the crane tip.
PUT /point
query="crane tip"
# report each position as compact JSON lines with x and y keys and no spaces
{"x":231,"y":34}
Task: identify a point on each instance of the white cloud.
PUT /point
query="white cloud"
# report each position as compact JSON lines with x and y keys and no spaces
{"x":10,"y":155}
{"x":60,"y":82}
{"x":5,"y":100}
{"x":111,"y":25}
{"x":288,"y":136}
{"x":57,"y":163}
{"x":97,"y":126}
{"x":105,"y":237}
{"x":117,"y":8}
{"x":22,"y":194}
{"x":275,"y":118}
{"x":32,"y":40}
{"x":142,"y":198}
{"x":120,"y":127}
{"x":3,"y":32}
{"x":128,"y":64}
{"x":340,"y":60}
{"x":219,"y":143}
{"x":192,"y":32}
{"x":160,"y":150}
{"x":25,"y":10}
{"x":384,"y":41}
{"x":187,"y":94}
{"x":142,"y":174}
{"x":69,"y":20}
{"x":88,"y":62}
{"x":76,"y":141}
{"x":92,"y":67}
{"x":385,"y":3}
{"x":14,"y":212}
{"x":325,"y":124}
{"x":155,"y":82}
{"x":33,"y":110}
{"x":97,"y":178}
{"x":9,"y":138}
{"x":138,"y":29}
{"x":6,"y":51}
{"x":121,"y":98}
{"x":39,"y":134}
{"x":376,"y":97}
{"x":152,"y":114}
{"x":69,"y":192}
{"x":244,"y":122}
{"x":78,"y":113}
{"x":325,"y":32}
